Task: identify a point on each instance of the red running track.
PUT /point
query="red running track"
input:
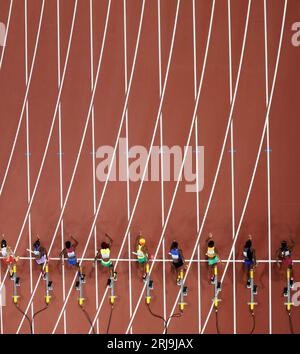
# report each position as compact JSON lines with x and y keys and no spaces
{"x":270,"y":216}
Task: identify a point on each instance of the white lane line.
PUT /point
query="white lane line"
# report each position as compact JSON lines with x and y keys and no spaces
{"x":113,"y":156}
{"x":161,"y":159}
{"x":28,"y":150}
{"x":6,"y":34}
{"x":221,"y":155}
{"x":149,"y":155}
{"x":22,"y":111}
{"x":46,"y":151}
{"x":184,"y":157}
{"x":258,"y":155}
{"x":268,"y":167}
{"x":60,"y":147}
{"x":232,"y":166}
{"x":94,"y":158}
{"x":81,"y":144}
{"x":197,"y":166}
{"x":25,"y":99}
{"x":19,"y":126}
{"x":127,"y":161}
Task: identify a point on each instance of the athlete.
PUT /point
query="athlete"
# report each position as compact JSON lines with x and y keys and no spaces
{"x":103,"y":255}
{"x":40,"y":255}
{"x":177,"y":260}
{"x":8,"y":255}
{"x":142,"y":254}
{"x":69,"y":252}
{"x":212,"y":256}
{"x":249,"y":259}
{"x":284,"y":257}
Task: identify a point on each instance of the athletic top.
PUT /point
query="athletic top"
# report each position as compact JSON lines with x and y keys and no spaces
{"x":70,"y":253}
{"x":140,"y":253}
{"x":211,"y":252}
{"x":285,"y":253}
{"x":36,"y":251}
{"x":105,"y":253}
{"x":4,"y":251}
{"x":175,"y":254}
{"x":248,"y":254}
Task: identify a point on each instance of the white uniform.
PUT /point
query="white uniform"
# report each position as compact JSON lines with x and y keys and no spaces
{"x":4,"y":251}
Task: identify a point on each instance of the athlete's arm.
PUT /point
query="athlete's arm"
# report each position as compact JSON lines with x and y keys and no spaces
{"x":110,"y":240}
{"x":292,"y":244}
{"x":97,"y":255}
{"x":75,"y":242}
{"x":278,"y":253}
{"x":10,"y":251}
{"x":145,"y":249}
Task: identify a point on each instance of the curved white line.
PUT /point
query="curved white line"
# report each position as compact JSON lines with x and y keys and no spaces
{"x":221,"y":154}
{"x":111,"y":164}
{"x":258,"y":154}
{"x":25,"y":99}
{"x":47,"y":145}
{"x":21,"y":116}
{"x":148,"y":158}
{"x":184,"y":158}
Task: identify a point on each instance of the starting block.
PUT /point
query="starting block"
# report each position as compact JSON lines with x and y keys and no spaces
{"x":289,"y":305}
{"x":79,"y":287}
{"x":218,"y":287}
{"x":15,"y":299}
{"x":111,"y":284}
{"x":49,"y":286}
{"x":112,"y":299}
{"x":47,"y":299}
{"x":253,"y":290}
{"x":182,"y":306}
{"x":216,"y":301}
{"x":287,"y":291}
{"x":83,"y":281}
{"x":151,"y":285}
{"x":183,"y":291}
{"x":16,"y":284}
{"x":252,"y":305}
